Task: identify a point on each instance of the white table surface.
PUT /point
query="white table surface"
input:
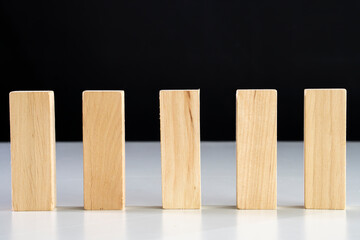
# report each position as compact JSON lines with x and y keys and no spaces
{"x":218,"y":218}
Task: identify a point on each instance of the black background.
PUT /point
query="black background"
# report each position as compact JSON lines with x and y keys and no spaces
{"x":143,"y":46}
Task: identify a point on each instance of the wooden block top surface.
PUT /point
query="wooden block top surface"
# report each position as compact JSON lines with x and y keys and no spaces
{"x":256,"y":148}
{"x":104,"y":150}
{"x":32,"y":131}
{"x":180,"y":148}
{"x":325,"y":148}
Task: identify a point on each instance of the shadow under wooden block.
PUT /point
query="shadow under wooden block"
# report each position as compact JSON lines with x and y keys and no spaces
{"x":256,"y":149}
{"x":104,"y":150}
{"x":180,"y":148}
{"x":325,"y":148}
{"x":32,"y":130}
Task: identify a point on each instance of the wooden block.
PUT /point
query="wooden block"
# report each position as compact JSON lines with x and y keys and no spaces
{"x":325,"y":148}
{"x":32,"y":130}
{"x":104,"y":150}
{"x":256,"y":148}
{"x":180,"y":148}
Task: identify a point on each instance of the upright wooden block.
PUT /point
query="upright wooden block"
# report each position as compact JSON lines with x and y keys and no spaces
{"x":325,"y":148}
{"x":256,"y":143}
{"x":180,"y":148}
{"x":104,"y":150}
{"x":32,"y":130}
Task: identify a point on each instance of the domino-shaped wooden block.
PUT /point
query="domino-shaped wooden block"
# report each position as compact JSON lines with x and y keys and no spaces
{"x":256,"y":149}
{"x":180,"y":148}
{"x":104,"y":150}
{"x":325,"y":148}
{"x":32,"y":131}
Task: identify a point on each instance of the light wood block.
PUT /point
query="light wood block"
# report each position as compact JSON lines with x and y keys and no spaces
{"x":325,"y":148}
{"x":180,"y":148}
{"x":256,"y":149}
{"x":104,"y":150}
{"x":32,"y":130}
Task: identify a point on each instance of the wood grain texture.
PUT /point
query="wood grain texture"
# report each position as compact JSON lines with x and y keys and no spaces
{"x":32,"y":130}
{"x":256,"y":149}
{"x":104,"y":150}
{"x":180,"y":148}
{"x":325,"y":148}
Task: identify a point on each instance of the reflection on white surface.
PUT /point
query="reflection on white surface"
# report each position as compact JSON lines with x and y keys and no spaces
{"x":104,"y":224}
{"x":181,"y":224}
{"x":325,"y":224}
{"x":211,"y":222}
{"x":256,"y":224}
{"x":36,"y":225}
